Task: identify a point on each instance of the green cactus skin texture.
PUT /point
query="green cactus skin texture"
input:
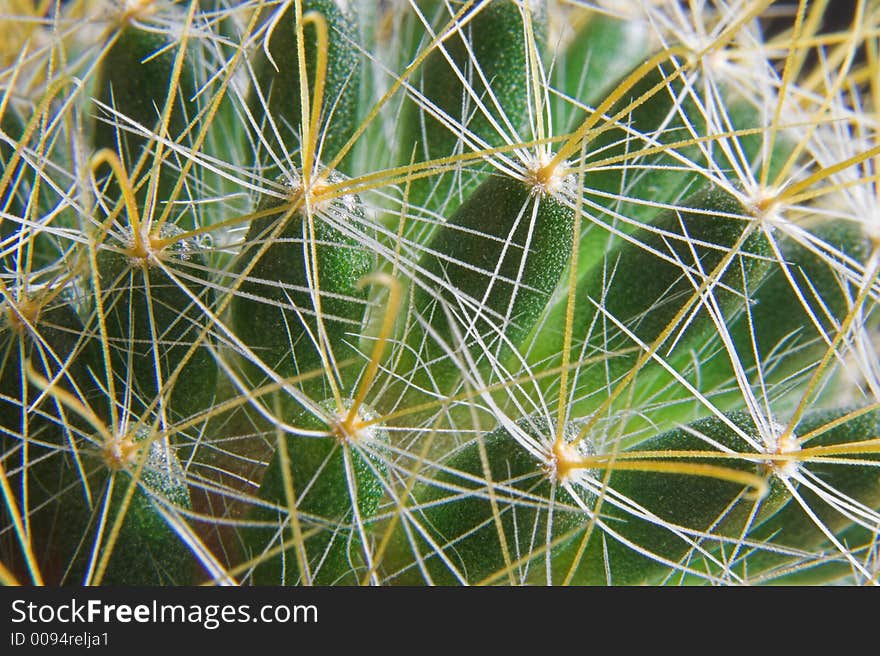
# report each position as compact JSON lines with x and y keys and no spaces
{"x":503,"y":252}
{"x":458,"y":506}
{"x":624,"y":186}
{"x":493,"y":42}
{"x":603,"y":51}
{"x":678,"y":503}
{"x":134,"y":82}
{"x":778,"y":321}
{"x":275,"y":313}
{"x":51,"y":339}
{"x":644,"y":292}
{"x":657,"y":118}
{"x":147,"y":551}
{"x":279,"y":79}
{"x":326,"y":492}
{"x":152,"y":322}
{"x":792,"y":527}
{"x":24,"y":199}
{"x":439,"y":292}
{"x":48,"y":335}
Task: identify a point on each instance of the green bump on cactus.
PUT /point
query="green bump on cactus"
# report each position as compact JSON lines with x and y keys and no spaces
{"x":645,"y":283}
{"x":830,"y":564}
{"x":602,"y":51}
{"x":774,"y":320}
{"x":783,"y":319}
{"x":156,"y":306}
{"x":277,"y":76}
{"x":531,"y":493}
{"x":331,"y":475}
{"x":853,"y":475}
{"x":497,"y":261}
{"x":41,"y":330}
{"x":472,"y":89}
{"x":22,"y":204}
{"x":147,"y":550}
{"x":135,"y":81}
{"x":652,"y":517}
{"x":616,"y":248}
{"x":641,"y":158}
{"x":277,"y":309}
{"x":631,"y":183}
{"x":43,"y":348}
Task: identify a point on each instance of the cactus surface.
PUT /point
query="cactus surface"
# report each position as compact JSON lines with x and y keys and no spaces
{"x":423,"y":292}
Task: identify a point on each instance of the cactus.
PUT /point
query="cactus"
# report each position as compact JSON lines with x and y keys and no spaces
{"x":438,"y":292}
